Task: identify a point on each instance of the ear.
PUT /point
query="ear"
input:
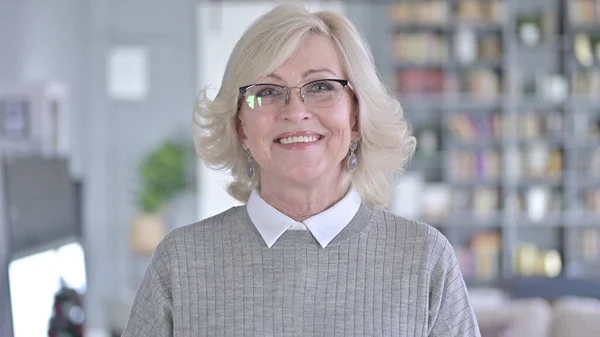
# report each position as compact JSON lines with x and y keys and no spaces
{"x":355,"y":125}
{"x":241,"y":132}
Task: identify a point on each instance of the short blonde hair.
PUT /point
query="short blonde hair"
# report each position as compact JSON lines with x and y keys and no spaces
{"x":386,"y":143}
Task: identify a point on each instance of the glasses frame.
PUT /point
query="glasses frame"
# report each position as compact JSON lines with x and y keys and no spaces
{"x":344,"y":83}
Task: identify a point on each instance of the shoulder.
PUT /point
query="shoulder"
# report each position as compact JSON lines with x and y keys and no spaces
{"x":412,"y":229}
{"x":185,"y":238}
{"x":421,"y":236}
{"x":218,"y":221}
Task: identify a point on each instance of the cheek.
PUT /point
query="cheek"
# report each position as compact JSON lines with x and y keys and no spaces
{"x":256,"y":127}
{"x":340,"y":119}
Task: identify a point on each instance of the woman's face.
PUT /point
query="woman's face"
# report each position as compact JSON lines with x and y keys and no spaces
{"x":296,"y":142}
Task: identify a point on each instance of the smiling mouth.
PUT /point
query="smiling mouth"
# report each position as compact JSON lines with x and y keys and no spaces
{"x":298,"y":139}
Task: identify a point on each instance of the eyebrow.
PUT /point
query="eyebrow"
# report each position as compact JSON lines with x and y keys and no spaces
{"x":305,"y":74}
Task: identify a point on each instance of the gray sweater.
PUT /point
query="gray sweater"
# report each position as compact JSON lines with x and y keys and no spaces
{"x":382,"y":275}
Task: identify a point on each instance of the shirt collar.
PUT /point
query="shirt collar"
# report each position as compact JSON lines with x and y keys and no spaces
{"x":325,"y":226}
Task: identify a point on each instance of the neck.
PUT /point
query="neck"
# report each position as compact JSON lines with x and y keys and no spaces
{"x":301,"y":201}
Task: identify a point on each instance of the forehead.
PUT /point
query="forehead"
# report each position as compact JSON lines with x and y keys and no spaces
{"x":315,"y":52}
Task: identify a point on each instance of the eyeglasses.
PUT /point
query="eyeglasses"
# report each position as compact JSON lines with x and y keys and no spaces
{"x":316,"y":94}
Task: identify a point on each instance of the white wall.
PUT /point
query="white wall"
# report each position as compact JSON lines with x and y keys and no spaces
{"x":119,"y":133}
{"x":220,"y":25}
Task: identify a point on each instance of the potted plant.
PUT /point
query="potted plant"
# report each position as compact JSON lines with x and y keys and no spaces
{"x":164,"y":174}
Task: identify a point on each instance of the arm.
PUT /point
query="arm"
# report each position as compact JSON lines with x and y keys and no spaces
{"x":450,"y":310}
{"x":151,"y":313}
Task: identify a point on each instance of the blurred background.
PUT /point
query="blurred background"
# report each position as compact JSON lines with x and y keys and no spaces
{"x":97,"y":161}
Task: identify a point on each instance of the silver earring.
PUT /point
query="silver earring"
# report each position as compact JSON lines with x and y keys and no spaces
{"x":250,"y":166}
{"x":352,"y":160}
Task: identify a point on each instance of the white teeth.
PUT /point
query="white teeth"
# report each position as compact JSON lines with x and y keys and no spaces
{"x":299,"y":139}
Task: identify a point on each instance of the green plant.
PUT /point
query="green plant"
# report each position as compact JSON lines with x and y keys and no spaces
{"x":164,"y":174}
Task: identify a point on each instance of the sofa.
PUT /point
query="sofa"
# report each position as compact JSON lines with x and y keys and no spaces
{"x":501,"y":316}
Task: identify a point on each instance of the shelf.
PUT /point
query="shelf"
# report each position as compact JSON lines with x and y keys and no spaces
{"x":422,"y":101}
{"x":449,"y":27}
{"x":550,"y":220}
{"x":550,"y":288}
{"x":468,"y":102}
{"x":413,"y":27}
{"x":552,"y":142}
{"x":586,"y":147}
{"x":479,"y":144}
{"x":483,"y":182}
{"x":469,"y":220}
{"x":479,"y":26}
{"x":526,"y":104}
{"x":475,"y":283}
{"x":407,"y":64}
{"x":494,"y":64}
{"x":582,"y":102}
{"x":585,"y":28}
{"x":585,"y":183}
{"x":587,"y":219}
{"x":471,"y":127}
{"x":541,"y":181}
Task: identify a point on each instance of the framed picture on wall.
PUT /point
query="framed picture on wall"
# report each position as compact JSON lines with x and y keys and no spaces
{"x":15,"y":118}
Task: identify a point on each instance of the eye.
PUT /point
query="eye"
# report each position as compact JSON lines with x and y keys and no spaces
{"x":320,"y":86}
{"x":269,"y":91}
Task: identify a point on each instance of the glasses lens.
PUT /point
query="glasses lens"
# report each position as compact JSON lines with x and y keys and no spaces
{"x":322,"y":94}
{"x":265,"y":97}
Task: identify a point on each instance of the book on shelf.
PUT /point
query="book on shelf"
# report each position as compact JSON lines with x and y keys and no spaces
{"x":590,"y":244}
{"x":592,"y":201}
{"x":468,"y":165}
{"x":478,"y":202}
{"x":480,"y":258}
{"x":478,"y":83}
{"x":586,"y":48}
{"x":480,"y":11}
{"x":534,"y":161}
{"x":594,"y":164}
{"x":420,"y":48}
{"x":586,"y":84}
{"x":421,"y":81}
{"x":472,"y":128}
{"x":422,"y":12}
{"x":583,"y":12}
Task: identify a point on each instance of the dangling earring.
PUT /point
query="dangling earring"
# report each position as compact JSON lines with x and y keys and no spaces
{"x":250,"y":166}
{"x":352,"y":160}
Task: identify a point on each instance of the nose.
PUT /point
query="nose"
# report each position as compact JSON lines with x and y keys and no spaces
{"x":295,"y":110}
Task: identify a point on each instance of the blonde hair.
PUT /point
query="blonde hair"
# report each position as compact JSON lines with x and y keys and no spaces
{"x":386,"y":143}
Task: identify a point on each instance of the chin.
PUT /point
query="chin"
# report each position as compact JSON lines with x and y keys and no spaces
{"x":302,"y":175}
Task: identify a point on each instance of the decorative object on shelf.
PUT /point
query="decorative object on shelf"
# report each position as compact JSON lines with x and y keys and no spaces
{"x":465,"y":42}
{"x":530,"y":29}
{"x":436,"y":201}
{"x":532,"y":261}
{"x":164,"y":174}
{"x":583,"y":50}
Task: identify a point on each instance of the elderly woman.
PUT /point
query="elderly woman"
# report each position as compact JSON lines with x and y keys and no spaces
{"x":313,"y":141}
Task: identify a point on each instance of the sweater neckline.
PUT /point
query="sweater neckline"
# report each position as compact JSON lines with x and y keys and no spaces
{"x":361,"y":223}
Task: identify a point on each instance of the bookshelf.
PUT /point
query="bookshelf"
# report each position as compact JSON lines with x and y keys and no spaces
{"x":502,"y":97}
